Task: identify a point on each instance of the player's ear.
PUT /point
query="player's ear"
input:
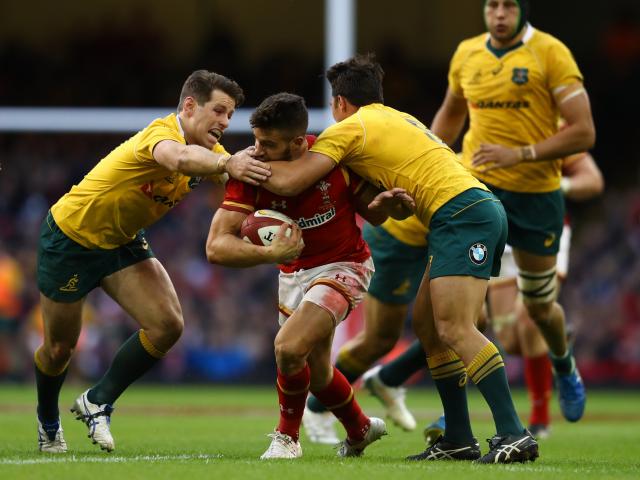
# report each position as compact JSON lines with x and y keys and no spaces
{"x":299,"y":141}
{"x":189,"y":105}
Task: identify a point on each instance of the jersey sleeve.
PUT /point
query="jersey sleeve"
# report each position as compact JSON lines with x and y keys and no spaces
{"x":562,"y":69}
{"x":355,"y":181}
{"x":150,"y":137}
{"x":341,"y":140}
{"x":454,"y":70}
{"x":239,"y":197}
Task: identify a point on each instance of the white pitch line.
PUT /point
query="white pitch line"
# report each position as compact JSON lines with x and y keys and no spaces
{"x":105,"y":459}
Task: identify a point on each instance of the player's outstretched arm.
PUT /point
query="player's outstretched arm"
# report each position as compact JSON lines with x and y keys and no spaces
{"x":396,"y":203}
{"x":225,"y":247}
{"x":290,"y":178}
{"x":195,"y":160}
{"x":375,"y":205}
{"x":450,"y":118}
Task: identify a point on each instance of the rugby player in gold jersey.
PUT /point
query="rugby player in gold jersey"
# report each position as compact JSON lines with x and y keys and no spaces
{"x":93,"y":237}
{"x":514,"y":83}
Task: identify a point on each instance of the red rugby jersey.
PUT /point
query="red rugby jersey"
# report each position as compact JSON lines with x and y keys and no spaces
{"x":325,"y":213}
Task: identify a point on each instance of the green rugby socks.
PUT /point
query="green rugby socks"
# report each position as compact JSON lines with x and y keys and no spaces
{"x":135,"y":357}
{"x":486,"y":370}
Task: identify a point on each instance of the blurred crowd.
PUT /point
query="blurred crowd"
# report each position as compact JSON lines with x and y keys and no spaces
{"x":230,"y":314}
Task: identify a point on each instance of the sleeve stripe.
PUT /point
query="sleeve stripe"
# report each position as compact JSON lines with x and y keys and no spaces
{"x":237,"y":207}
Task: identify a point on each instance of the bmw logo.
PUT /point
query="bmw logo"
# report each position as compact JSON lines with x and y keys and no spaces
{"x":478,"y":253}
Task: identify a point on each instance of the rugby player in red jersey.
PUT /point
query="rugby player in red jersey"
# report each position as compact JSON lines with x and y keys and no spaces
{"x":321,"y":279}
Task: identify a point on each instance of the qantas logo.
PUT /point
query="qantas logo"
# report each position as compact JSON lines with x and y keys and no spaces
{"x":497,"y":104}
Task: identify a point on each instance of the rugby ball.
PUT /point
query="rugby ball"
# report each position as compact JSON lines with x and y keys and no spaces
{"x":261,"y":226}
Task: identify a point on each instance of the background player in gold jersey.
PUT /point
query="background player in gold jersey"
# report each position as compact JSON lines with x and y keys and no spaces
{"x":518,"y":335}
{"x":93,"y":237}
{"x":467,"y":226}
{"x":514,"y":83}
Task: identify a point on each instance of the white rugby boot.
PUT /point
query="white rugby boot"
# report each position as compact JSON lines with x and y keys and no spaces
{"x":97,"y":418}
{"x":377,"y":429}
{"x":282,"y":446}
{"x":319,"y":427}
{"x":50,"y":437}
{"x":391,"y":397}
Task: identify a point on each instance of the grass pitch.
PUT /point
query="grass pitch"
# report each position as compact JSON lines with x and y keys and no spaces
{"x":213,"y":432}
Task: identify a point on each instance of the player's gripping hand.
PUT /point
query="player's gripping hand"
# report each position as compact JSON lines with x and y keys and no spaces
{"x":395,"y":203}
{"x":242,"y":166}
{"x":287,"y":245}
{"x":495,"y":156}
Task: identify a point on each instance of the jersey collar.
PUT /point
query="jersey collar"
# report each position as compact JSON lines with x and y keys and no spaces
{"x":500,"y":52}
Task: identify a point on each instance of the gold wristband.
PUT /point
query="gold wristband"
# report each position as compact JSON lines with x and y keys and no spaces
{"x":222,"y":163}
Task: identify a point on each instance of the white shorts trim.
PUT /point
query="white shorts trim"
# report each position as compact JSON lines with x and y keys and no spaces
{"x":320,"y":285}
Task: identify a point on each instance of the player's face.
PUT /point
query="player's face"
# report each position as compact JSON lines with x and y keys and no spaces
{"x":501,"y":17}
{"x":204,"y":124}
{"x":272,"y":144}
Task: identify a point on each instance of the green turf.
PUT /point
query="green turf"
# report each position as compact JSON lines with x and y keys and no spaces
{"x":217,"y":432}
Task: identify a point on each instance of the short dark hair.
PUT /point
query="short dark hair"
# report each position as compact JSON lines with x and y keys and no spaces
{"x":201,"y":83}
{"x":358,"y":79}
{"x":282,"y":111}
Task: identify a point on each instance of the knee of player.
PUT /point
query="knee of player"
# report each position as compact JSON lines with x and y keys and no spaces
{"x":171,"y":326}
{"x":288,"y":352}
{"x":540,"y":313}
{"x":449,"y":333}
{"x":58,"y":353}
{"x":382,"y":344}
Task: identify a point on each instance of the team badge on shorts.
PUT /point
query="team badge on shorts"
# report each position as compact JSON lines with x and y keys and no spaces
{"x":478,"y":253}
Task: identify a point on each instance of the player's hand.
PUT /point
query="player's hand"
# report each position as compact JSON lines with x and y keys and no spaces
{"x":242,"y":166}
{"x":287,"y":245}
{"x":395,"y":203}
{"x":492,"y":156}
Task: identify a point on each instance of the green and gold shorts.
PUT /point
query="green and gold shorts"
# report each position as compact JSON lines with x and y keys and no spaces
{"x":399,"y":267}
{"x":535,"y":220}
{"x":67,"y":271}
{"x":467,"y":236}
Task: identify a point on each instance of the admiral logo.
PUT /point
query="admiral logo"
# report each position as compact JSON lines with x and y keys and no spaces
{"x":508,"y":104}
{"x":317,"y":220}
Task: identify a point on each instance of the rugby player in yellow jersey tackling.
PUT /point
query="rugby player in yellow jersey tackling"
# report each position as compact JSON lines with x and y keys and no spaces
{"x":514,"y":83}
{"x":93,"y":237}
{"x":468,"y":229}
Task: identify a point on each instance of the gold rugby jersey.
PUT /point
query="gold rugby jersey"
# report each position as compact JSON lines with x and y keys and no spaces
{"x":410,"y":231}
{"x":126,"y":191}
{"x":511,"y":102}
{"x":390,"y":149}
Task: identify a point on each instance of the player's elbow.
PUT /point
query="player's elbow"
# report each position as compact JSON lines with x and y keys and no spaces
{"x":213,"y":252}
{"x":598,"y":185}
{"x":182,"y":160}
{"x":588,"y":136}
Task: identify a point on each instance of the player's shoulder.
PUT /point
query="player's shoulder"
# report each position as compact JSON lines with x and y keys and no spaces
{"x":472,"y":44}
{"x":546,"y":42}
{"x":170,"y":121}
